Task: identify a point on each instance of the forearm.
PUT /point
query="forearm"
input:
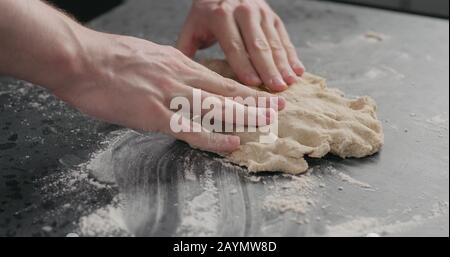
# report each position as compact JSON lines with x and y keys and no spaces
{"x":38,"y":43}
{"x":122,"y":80}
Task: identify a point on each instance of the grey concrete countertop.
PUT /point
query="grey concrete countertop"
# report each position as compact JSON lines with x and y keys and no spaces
{"x":49,"y":151}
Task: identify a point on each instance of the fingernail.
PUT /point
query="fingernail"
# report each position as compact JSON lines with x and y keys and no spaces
{"x":253,"y":79}
{"x":290,"y":77}
{"x":277,"y":84}
{"x":299,"y":68}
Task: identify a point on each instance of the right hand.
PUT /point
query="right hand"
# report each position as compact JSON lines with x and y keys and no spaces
{"x":130,"y":82}
{"x":253,"y":37}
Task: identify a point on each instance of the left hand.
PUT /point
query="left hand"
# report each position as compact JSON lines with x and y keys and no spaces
{"x":253,"y":38}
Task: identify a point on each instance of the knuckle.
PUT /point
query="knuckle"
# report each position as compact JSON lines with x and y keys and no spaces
{"x":266,"y":14}
{"x":276,"y":45}
{"x":285,"y":69}
{"x":168,"y":97}
{"x":180,"y":68}
{"x":290,"y":48}
{"x":230,"y":86}
{"x":262,"y":94}
{"x":169,"y":52}
{"x":164,"y":82}
{"x":244,"y":9}
{"x":166,"y":68}
{"x":173,"y":51}
{"x":260,"y":45}
{"x":277,"y":21}
{"x":221,"y":12}
{"x":233,"y":46}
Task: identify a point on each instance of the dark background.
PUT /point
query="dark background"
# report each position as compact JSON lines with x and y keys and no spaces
{"x":87,"y":10}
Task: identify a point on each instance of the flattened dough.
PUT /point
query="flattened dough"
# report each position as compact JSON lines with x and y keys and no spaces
{"x":317,"y":120}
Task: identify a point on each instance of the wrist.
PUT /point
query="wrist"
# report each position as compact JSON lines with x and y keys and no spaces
{"x":68,"y":61}
{"x":80,"y":63}
{"x":89,"y":63}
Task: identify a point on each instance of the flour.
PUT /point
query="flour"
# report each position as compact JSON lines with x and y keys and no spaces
{"x":201,"y":214}
{"x":438,"y":122}
{"x":106,"y":221}
{"x":254,"y":179}
{"x":346,"y":178}
{"x":67,"y":182}
{"x":100,"y":166}
{"x":188,"y":172}
{"x":292,"y":194}
{"x":439,"y":209}
{"x":227,"y":163}
{"x":375,"y":36}
{"x":355,"y":227}
{"x":70,"y":190}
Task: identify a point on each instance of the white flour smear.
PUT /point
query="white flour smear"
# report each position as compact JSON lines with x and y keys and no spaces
{"x":106,"y":221}
{"x":346,"y":178}
{"x":292,"y":194}
{"x":200,"y":215}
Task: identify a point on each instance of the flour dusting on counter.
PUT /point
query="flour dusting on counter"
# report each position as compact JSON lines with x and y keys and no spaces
{"x":292,"y":194}
{"x":201,"y":213}
{"x":106,"y":222}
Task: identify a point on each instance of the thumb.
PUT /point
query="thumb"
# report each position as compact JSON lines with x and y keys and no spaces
{"x":186,"y":42}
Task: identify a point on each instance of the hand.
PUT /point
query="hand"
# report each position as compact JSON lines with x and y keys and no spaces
{"x":129,"y":81}
{"x":253,"y":38}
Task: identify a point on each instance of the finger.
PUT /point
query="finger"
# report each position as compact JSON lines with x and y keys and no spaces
{"x":223,"y":109}
{"x":238,"y":113}
{"x":258,"y":47}
{"x":278,"y":52}
{"x":204,"y":140}
{"x":209,"y":141}
{"x":230,"y":40}
{"x":211,"y":82}
{"x":294,"y":61}
{"x":186,"y":42}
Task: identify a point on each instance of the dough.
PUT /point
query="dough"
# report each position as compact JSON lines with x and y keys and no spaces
{"x":316,"y":121}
